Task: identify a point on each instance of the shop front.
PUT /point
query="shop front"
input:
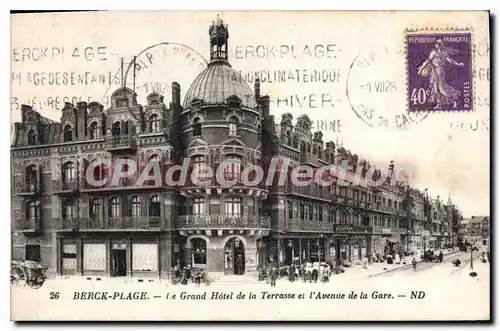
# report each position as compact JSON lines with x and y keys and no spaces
{"x":129,"y":255}
{"x":289,"y":249}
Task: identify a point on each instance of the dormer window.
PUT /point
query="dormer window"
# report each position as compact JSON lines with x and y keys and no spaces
{"x":154,"y":123}
{"x":68,"y":133}
{"x":196,"y":127}
{"x":233,"y":126}
{"x":122,"y":103}
{"x":31,"y":137}
{"x":94,"y":130}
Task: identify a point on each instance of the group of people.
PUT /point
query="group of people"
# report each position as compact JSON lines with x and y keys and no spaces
{"x":186,"y":274}
{"x":309,"y":272}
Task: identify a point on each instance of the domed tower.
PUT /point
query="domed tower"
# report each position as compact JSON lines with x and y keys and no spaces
{"x":221,"y":223}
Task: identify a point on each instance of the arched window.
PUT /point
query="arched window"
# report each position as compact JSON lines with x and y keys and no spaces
{"x":69,"y":210}
{"x":196,"y":127}
{"x":94,"y":130}
{"x":135,"y":203}
{"x":114,"y":207}
{"x":95,"y":208}
{"x":233,"y":206}
{"x":233,"y":126}
{"x":116,"y":130}
{"x":69,"y":173}
{"x":154,"y":206}
{"x":199,"y":251}
{"x":129,"y":128}
{"x":31,"y":137}
{"x":154,"y":123}
{"x":68,"y":133}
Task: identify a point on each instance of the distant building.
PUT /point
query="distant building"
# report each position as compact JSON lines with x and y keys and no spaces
{"x":475,"y":231}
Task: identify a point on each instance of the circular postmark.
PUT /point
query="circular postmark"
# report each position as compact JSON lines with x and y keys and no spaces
{"x":376,"y":88}
{"x":155,"y":68}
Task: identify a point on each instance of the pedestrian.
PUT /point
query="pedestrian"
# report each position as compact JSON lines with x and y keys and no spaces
{"x":315,"y":271}
{"x":414,"y":263}
{"x":440,"y":256}
{"x":365,"y":262}
{"x":273,"y":275}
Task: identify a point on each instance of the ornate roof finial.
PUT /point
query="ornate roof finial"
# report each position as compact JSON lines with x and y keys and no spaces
{"x":219,"y":21}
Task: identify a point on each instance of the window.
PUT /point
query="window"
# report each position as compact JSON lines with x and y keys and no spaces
{"x":69,"y":210}
{"x":198,"y":206}
{"x":114,"y":207}
{"x":95,"y":208}
{"x":135,"y":203}
{"x":69,"y":172}
{"x":94,"y":257}
{"x":33,"y":210}
{"x":233,"y":167}
{"x":68,"y":133}
{"x":315,"y":213}
{"x":233,"y":126}
{"x":311,"y":212}
{"x":289,"y":209}
{"x":288,"y":139}
{"x":144,"y":257}
{"x":94,"y":131}
{"x":306,"y":211}
{"x":116,"y":130}
{"x":199,"y":251}
{"x":31,"y":177}
{"x":129,"y":128}
{"x":295,"y":210}
{"x":154,"y":206}
{"x":121,"y":103}
{"x":69,"y":256}
{"x":233,"y":206}
{"x":31,"y":137}
{"x":302,"y":210}
{"x":320,"y":213}
{"x":196,"y":127}
{"x":154,"y":123}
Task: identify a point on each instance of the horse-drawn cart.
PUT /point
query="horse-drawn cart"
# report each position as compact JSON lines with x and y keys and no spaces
{"x":27,"y":273}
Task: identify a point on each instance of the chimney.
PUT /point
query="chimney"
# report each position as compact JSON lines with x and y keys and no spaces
{"x":81,"y":119}
{"x":391,"y":165}
{"x":264,"y":102}
{"x":257,"y":89}
{"x":176,"y":93}
{"x":24,"y":110}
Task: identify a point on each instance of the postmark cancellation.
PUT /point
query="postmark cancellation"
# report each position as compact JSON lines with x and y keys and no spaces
{"x":439,"y":70}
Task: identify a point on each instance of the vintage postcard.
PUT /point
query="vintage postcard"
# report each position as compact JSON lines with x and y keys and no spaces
{"x":257,"y":165}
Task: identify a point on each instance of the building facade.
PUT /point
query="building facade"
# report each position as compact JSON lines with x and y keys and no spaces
{"x":75,"y":228}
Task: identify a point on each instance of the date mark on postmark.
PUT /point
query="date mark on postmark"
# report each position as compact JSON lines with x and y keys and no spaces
{"x":439,"y":71}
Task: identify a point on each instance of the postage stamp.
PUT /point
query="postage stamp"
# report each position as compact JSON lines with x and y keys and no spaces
{"x":439,"y":72}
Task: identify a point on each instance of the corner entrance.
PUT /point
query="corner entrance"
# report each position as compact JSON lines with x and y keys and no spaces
{"x":118,"y":262}
{"x":234,"y":257}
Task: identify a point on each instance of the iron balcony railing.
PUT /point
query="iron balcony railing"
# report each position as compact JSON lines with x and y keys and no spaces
{"x":118,"y":223}
{"x":121,"y":142}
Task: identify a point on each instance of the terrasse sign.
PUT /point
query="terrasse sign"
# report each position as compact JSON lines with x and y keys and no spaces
{"x":223,"y":220}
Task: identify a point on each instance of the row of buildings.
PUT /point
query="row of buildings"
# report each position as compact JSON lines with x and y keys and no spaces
{"x":77,"y":229}
{"x":475,"y":231}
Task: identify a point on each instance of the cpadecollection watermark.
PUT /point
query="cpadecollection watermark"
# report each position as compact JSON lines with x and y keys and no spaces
{"x":275,"y":172}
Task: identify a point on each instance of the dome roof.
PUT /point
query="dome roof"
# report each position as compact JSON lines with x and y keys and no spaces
{"x":216,"y":83}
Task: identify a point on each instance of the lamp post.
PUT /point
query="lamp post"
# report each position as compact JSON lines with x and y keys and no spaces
{"x":471,"y":259}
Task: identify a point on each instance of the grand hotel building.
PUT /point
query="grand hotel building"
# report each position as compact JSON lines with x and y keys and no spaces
{"x":143,"y":231}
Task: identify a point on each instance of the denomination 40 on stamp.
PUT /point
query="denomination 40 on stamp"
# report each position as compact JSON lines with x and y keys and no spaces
{"x":439,"y":70}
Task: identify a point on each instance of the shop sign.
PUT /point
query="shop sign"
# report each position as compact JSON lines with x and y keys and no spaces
{"x":344,"y":228}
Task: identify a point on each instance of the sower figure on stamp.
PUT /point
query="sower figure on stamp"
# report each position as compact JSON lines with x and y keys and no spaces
{"x":434,"y":68}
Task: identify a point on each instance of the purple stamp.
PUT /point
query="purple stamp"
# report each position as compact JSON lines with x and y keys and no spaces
{"x":439,"y":71}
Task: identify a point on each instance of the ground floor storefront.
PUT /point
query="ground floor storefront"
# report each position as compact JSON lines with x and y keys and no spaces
{"x":141,"y":254}
{"x":298,"y":248}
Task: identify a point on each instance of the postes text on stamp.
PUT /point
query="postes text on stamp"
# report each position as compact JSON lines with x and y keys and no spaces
{"x":439,"y":71}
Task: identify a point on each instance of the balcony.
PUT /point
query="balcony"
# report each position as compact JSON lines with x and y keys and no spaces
{"x":28,"y":225}
{"x":220,"y":221}
{"x":28,"y":189}
{"x":121,"y":143}
{"x":140,"y":223}
{"x":310,"y":190}
{"x":300,"y":225}
{"x":354,"y":229}
{"x":61,"y":186}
